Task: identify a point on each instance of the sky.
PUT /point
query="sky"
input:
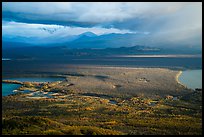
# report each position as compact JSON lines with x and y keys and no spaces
{"x":157,"y":23}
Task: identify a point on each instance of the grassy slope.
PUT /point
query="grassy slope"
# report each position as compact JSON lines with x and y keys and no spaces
{"x":79,"y":114}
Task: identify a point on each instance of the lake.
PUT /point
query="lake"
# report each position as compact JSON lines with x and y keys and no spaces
{"x":7,"y":88}
{"x":14,"y":68}
{"x":191,"y":78}
{"x":20,"y":67}
{"x":37,"y":79}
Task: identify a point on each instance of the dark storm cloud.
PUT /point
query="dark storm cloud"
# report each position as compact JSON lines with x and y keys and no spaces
{"x":175,"y":23}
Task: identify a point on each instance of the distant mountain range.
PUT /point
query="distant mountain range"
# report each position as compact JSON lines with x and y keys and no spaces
{"x":21,"y":51}
{"x":47,"y":41}
{"x":85,"y":44}
{"x":91,"y":40}
{"x":84,"y":40}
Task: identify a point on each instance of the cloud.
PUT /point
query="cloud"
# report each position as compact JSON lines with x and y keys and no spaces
{"x":93,"y":12}
{"x":165,"y":22}
{"x":26,"y":30}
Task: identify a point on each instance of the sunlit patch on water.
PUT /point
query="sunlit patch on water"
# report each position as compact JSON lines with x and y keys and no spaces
{"x":5,"y":59}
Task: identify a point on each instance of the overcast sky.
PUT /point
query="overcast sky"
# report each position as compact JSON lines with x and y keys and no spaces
{"x":159,"y":23}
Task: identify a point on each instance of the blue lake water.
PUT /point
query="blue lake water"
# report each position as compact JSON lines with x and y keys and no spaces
{"x":8,"y":88}
{"x":36,"y":79}
{"x":191,"y":78}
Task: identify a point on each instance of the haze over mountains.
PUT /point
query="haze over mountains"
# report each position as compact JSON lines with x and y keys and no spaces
{"x":37,"y":35}
{"x":89,"y":40}
{"x":175,"y":30}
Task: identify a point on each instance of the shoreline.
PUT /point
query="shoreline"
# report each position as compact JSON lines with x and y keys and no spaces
{"x":162,"y":56}
{"x":121,"y":81}
{"x":120,"y":67}
{"x":177,"y":78}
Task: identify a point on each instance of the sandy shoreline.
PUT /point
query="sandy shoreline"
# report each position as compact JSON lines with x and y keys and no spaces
{"x":177,"y":78}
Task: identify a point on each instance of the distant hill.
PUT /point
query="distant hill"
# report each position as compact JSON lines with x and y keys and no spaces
{"x":88,"y":34}
{"x":103,"y":41}
{"x":85,"y":44}
{"x":84,"y":40}
{"x":92,"y":41}
{"x":23,"y":51}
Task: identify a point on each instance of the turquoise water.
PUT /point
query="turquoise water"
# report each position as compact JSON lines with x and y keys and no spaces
{"x":37,"y":79}
{"x":8,"y":88}
{"x":191,"y":78}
